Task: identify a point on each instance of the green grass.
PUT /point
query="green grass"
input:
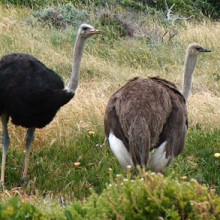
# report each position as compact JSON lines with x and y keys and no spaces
{"x":198,"y":161}
{"x":52,"y":168}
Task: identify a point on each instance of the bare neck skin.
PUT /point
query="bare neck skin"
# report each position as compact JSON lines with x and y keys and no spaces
{"x":77,"y":58}
{"x":189,"y":67}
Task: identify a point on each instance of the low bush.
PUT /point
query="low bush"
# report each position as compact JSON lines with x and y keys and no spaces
{"x":15,"y":209}
{"x":149,"y":196}
{"x":33,"y":3}
{"x":61,"y":16}
{"x":183,"y":7}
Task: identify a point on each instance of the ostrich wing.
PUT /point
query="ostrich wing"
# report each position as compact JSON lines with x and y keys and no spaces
{"x":174,"y":131}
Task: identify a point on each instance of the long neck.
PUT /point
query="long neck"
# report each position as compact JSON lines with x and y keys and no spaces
{"x":189,"y":67}
{"x":77,"y":58}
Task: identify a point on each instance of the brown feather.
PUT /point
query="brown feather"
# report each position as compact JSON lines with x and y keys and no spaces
{"x":143,"y":114}
{"x":150,"y":113}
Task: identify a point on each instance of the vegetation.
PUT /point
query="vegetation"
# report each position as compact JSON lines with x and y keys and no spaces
{"x":149,"y":196}
{"x":69,"y":165}
{"x":206,"y":7}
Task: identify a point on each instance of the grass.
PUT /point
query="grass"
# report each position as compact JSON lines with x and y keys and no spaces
{"x":56,"y":162}
{"x":108,"y":63}
{"x":198,"y":161}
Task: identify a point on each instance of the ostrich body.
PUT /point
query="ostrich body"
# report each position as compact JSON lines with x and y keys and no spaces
{"x":147,"y":114}
{"x":31,"y":94}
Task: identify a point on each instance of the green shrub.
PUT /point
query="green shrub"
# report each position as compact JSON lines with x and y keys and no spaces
{"x":112,"y":26}
{"x":61,"y":16}
{"x":209,"y":8}
{"x":149,"y":196}
{"x":34,"y":3}
{"x":27,"y":3}
{"x":15,"y":209}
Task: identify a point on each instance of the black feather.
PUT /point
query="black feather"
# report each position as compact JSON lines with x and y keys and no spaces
{"x":30,"y":92}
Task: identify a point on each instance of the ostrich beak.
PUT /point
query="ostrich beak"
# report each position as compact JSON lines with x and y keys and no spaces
{"x":205,"y":50}
{"x":94,"y":31}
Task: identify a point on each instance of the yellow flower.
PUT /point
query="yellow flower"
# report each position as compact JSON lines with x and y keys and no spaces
{"x":76,"y":164}
{"x":91,"y":133}
{"x":217,"y":155}
{"x":184,"y":177}
{"x":9,"y":211}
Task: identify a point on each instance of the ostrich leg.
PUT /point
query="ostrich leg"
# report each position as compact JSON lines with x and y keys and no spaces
{"x":5,"y":145}
{"x":29,"y":139}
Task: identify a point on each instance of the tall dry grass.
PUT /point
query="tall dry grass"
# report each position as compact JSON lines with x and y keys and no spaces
{"x":102,"y":75}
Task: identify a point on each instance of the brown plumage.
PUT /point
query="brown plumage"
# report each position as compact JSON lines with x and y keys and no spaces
{"x":150,"y":113}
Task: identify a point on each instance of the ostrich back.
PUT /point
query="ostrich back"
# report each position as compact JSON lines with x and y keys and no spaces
{"x":144,"y":113}
{"x":30,"y":92}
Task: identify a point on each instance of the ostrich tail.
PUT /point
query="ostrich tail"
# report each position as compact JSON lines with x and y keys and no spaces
{"x":139,"y":142}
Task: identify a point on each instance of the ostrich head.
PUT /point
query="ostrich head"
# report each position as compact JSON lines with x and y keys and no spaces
{"x":86,"y":30}
{"x":195,"y":49}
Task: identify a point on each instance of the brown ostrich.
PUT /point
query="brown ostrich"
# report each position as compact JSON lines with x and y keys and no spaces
{"x":31,"y":94}
{"x":150,"y":114}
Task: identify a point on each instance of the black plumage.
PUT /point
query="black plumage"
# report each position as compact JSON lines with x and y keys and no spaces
{"x":30,"y":92}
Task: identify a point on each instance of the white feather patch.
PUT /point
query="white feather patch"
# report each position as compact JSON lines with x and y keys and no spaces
{"x":68,"y":90}
{"x":120,"y":151}
{"x":158,"y":160}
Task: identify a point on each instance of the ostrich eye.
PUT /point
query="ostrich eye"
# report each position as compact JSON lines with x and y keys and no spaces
{"x":85,"y":28}
{"x":198,"y":48}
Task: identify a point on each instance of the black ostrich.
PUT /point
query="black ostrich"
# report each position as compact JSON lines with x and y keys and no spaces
{"x":31,"y":94}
